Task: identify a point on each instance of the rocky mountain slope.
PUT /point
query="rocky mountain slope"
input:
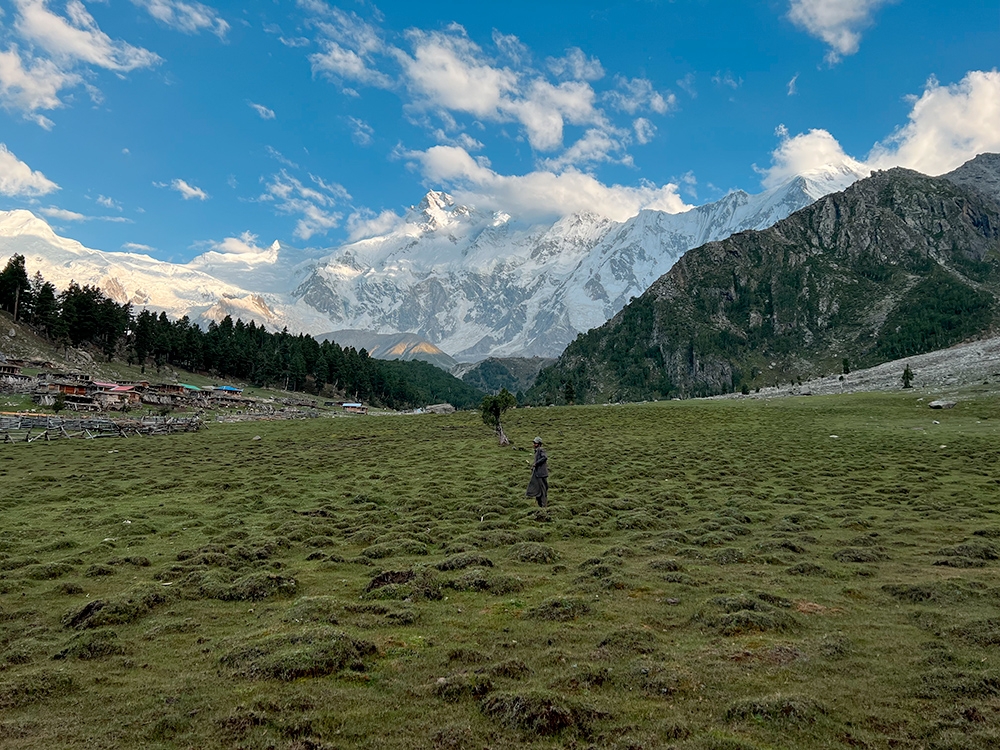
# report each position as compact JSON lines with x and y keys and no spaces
{"x":472,"y":283}
{"x":895,"y":265}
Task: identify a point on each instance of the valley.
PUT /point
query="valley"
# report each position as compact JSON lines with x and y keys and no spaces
{"x":708,"y":574}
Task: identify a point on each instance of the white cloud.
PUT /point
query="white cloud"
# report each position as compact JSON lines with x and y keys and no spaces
{"x":313,"y":205}
{"x":576,"y":65}
{"x":187,"y":191}
{"x":644,"y":130}
{"x":512,"y":48}
{"x":337,"y":62}
{"x":62,"y":214}
{"x":689,"y":184}
{"x":837,"y":22}
{"x":245,"y":245}
{"x":57,"y":52}
{"x":361,"y":132}
{"x":597,"y":145}
{"x":447,"y":70}
{"x":686,"y":84}
{"x":77,"y":37}
{"x":350,"y":46}
{"x":540,"y":194}
{"x":947,"y":126}
{"x":29,"y":85}
{"x":633,"y":95}
{"x":260,"y":109}
{"x":792,"y":90}
{"x":133,"y":246}
{"x":448,"y":84}
{"x":189,"y":17}
{"x":364,"y":223}
{"x":280,"y":157}
{"x":18,"y":180}
{"x":727,"y":79}
{"x":806,"y":152}
{"x":464,"y":140}
{"x":545,"y":109}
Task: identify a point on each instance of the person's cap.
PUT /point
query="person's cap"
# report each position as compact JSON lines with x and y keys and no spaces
{"x":537,"y":441}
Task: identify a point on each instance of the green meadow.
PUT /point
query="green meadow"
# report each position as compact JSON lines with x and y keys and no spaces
{"x":724,"y":575}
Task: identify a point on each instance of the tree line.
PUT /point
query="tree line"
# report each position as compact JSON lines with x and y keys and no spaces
{"x":85,"y":316}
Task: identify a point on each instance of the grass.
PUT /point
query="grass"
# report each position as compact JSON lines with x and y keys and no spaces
{"x":713,"y":574}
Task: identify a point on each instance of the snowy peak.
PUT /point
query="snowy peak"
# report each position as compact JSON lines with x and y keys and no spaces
{"x":831,"y":178}
{"x":19,"y":222}
{"x":437,"y":211}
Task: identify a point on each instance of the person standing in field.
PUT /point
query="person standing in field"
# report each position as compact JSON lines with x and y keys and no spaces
{"x":538,"y":487}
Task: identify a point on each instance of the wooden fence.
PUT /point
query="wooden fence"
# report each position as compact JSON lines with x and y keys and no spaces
{"x":27,"y":428}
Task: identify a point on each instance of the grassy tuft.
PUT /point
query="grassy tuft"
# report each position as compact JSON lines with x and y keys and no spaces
{"x":312,"y":652}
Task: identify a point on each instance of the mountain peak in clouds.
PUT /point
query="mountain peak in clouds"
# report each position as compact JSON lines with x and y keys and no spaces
{"x":830,"y":178}
{"x":437,"y":210}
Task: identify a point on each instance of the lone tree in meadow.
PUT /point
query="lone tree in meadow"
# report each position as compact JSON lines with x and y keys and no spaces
{"x":492,"y":410}
{"x":907,"y":377}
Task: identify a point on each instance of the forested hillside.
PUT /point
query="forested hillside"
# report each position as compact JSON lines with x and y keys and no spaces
{"x":896,"y":265}
{"x":86,"y":317}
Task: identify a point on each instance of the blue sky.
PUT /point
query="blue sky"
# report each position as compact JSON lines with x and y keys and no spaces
{"x":172,"y":127}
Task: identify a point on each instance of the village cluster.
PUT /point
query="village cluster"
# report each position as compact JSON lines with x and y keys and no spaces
{"x":78,"y":391}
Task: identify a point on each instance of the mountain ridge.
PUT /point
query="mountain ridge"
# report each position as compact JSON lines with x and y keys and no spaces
{"x":896,"y":264}
{"x":473,"y":283}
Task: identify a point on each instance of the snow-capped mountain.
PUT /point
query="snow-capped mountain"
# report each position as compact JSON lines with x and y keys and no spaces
{"x":480,"y":284}
{"x":474,"y":283}
{"x":245,"y":285}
